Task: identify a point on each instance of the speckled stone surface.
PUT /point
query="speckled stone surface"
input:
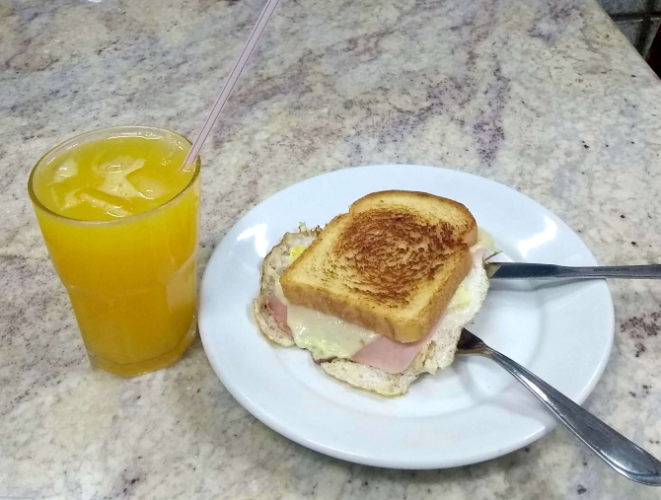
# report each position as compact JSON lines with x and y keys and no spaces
{"x":545,"y":96}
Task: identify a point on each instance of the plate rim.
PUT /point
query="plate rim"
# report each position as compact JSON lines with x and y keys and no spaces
{"x":283,"y":429}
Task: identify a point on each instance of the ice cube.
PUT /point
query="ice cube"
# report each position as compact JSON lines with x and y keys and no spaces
{"x":121,"y":164}
{"x":65,"y":171}
{"x":147,"y":186}
{"x":114,"y":176}
{"x":111,"y":205}
{"x":116,"y":184}
{"x":64,"y":196}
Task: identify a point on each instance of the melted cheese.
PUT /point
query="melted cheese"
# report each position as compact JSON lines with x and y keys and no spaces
{"x":325,"y":336}
{"x":461,"y":299}
{"x":486,"y":241}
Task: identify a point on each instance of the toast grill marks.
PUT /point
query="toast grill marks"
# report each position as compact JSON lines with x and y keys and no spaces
{"x":389,"y":254}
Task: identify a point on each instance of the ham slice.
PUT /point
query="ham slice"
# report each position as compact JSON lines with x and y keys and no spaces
{"x":478,"y":254}
{"x":278,"y":312}
{"x":389,"y":355}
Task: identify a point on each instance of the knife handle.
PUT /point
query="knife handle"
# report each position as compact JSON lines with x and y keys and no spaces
{"x":648,"y":271}
{"x":514,"y":270}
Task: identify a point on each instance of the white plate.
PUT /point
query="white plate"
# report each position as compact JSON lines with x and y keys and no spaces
{"x":471,"y":412}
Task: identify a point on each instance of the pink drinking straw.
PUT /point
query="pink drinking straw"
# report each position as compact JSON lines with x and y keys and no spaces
{"x":233,"y":77}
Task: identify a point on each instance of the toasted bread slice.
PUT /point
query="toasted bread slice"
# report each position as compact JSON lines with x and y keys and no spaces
{"x":391,"y":264}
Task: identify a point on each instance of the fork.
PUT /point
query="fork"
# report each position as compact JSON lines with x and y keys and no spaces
{"x":612,"y":447}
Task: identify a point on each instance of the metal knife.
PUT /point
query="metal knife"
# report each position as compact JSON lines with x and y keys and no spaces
{"x":520,"y":270}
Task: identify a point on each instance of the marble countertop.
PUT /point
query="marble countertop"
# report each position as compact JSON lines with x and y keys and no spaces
{"x":544,"y":96}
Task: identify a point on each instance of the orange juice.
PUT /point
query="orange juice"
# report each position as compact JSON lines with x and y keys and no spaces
{"x":120,"y":218}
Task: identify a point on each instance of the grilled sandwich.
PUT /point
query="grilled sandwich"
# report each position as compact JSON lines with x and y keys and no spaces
{"x":379,"y":296}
